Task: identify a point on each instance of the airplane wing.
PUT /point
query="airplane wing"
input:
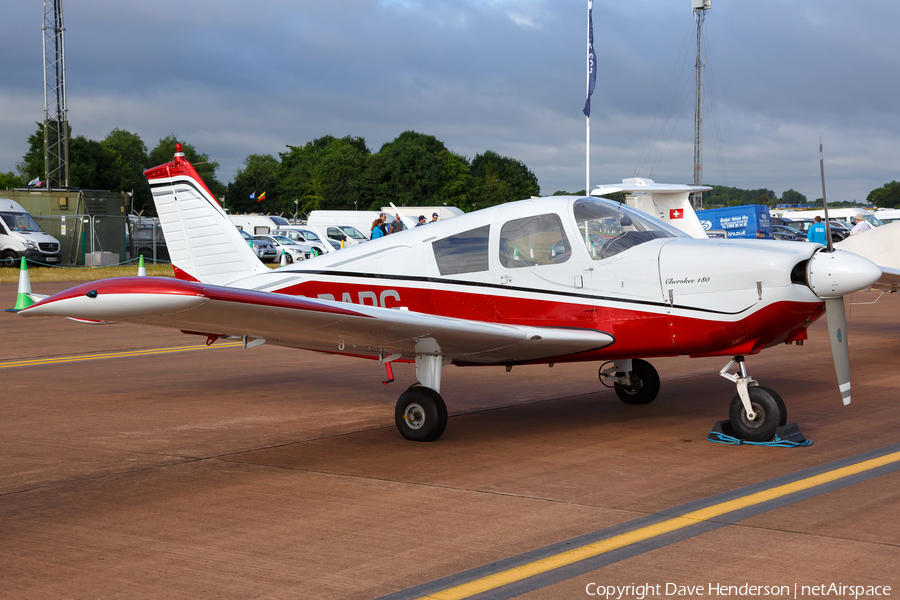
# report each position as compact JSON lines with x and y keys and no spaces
{"x":314,"y":324}
{"x":881,"y":245}
{"x":889,"y":281}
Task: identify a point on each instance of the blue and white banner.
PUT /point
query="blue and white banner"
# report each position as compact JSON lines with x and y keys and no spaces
{"x":592,"y":60}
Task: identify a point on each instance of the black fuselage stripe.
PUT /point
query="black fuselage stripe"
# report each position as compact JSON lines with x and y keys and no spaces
{"x":477,"y":284}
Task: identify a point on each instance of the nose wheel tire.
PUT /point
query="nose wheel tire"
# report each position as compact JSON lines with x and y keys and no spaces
{"x":770,"y":414}
{"x":420,"y":414}
{"x":645,"y":386}
{"x":778,"y":401}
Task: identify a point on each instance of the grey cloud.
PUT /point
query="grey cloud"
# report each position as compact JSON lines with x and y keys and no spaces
{"x":234,"y":79}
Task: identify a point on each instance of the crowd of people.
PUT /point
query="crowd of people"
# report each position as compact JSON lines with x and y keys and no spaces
{"x":381,"y":227}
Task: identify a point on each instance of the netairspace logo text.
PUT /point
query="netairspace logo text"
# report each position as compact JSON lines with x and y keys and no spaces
{"x":747,"y":590}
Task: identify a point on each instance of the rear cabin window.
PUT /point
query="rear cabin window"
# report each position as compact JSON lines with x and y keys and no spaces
{"x":465,"y":252}
{"x":533,"y":241}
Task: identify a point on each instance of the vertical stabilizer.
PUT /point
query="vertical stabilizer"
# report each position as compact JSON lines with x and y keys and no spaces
{"x":204,"y":245}
{"x":669,"y":202}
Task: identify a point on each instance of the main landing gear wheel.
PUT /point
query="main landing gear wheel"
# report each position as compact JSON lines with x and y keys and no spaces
{"x":770,"y":415}
{"x":645,"y":386}
{"x":420,"y":415}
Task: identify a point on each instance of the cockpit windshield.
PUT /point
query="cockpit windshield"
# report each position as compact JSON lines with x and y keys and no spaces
{"x":608,"y":228}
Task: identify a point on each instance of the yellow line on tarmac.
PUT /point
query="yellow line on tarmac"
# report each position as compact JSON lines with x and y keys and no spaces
{"x":125,"y":353}
{"x":550,"y":563}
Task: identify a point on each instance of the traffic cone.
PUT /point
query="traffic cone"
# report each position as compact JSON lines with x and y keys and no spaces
{"x":22,"y":299}
{"x":283,"y":258}
{"x":142,"y":270}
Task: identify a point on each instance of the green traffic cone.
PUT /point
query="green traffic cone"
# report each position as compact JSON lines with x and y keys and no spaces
{"x":22,"y":299}
{"x":142,"y":269}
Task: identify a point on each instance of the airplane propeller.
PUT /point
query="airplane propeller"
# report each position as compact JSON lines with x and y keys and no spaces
{"x":844,"y":276}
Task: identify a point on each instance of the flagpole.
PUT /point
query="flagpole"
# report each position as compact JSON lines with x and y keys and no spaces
{"x":591,"y":83}
{"x":587,"y":145}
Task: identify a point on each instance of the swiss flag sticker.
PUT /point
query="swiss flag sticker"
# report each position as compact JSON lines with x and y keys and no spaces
{"x":676,"y":213}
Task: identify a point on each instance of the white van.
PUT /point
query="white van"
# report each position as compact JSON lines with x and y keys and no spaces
{"x":887,"y":215}
{"x":20,"y":237}
{"x":257,"y":224}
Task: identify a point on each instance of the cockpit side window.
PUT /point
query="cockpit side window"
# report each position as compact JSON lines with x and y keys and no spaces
{"x":533,"y":241}
{"x":608,"y":228}
{"x":465,"y":252}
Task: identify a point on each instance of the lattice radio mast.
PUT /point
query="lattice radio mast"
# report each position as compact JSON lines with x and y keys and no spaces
{"x":56,"y":121}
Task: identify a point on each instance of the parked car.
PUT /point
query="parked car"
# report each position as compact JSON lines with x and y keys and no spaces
{"x":345,"y":233}
{"x":305,"y":235}
{"x":783,"y":232}
{"x":292,"y":250}
{"x":142,"y":241}
{"x":841,"y":226}
{"x":265,"y":251}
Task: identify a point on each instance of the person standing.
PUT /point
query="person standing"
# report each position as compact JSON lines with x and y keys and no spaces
{"x":377,"y":230}
{"x":860,"y":226}
{"x":817,"y":233}
{"x":385,"y":227}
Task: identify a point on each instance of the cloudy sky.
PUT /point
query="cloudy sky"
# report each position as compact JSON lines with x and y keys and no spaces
{"x":237,"y":78}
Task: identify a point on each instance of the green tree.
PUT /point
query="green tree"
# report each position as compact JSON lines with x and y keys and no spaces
{"x":128,"y":154}
{"x":501,"y":179}
{"x":327,"y":173}
{"x":117,"y":163}
{"x":259,"y":174}
{"x":457,"y":181}
{"x":887,"y":196}
{"x":413,"y":171}
{"x":793,"y":197}
{"x":11,"y":180}
{"x":164,"y":152}
{"x":32,"y":164}
{"x":90,"y":164}
{"x":340,"y":170}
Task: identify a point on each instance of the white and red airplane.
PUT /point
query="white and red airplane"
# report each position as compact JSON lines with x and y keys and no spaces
{"x":548,"y":280}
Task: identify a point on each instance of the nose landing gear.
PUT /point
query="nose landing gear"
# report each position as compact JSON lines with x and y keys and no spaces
{"x":756,"y":412}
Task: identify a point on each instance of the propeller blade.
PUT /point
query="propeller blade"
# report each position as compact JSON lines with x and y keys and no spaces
{"x":840,"y":352}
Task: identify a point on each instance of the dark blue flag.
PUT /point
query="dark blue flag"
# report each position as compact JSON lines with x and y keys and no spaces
{"x":592,"y":60}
